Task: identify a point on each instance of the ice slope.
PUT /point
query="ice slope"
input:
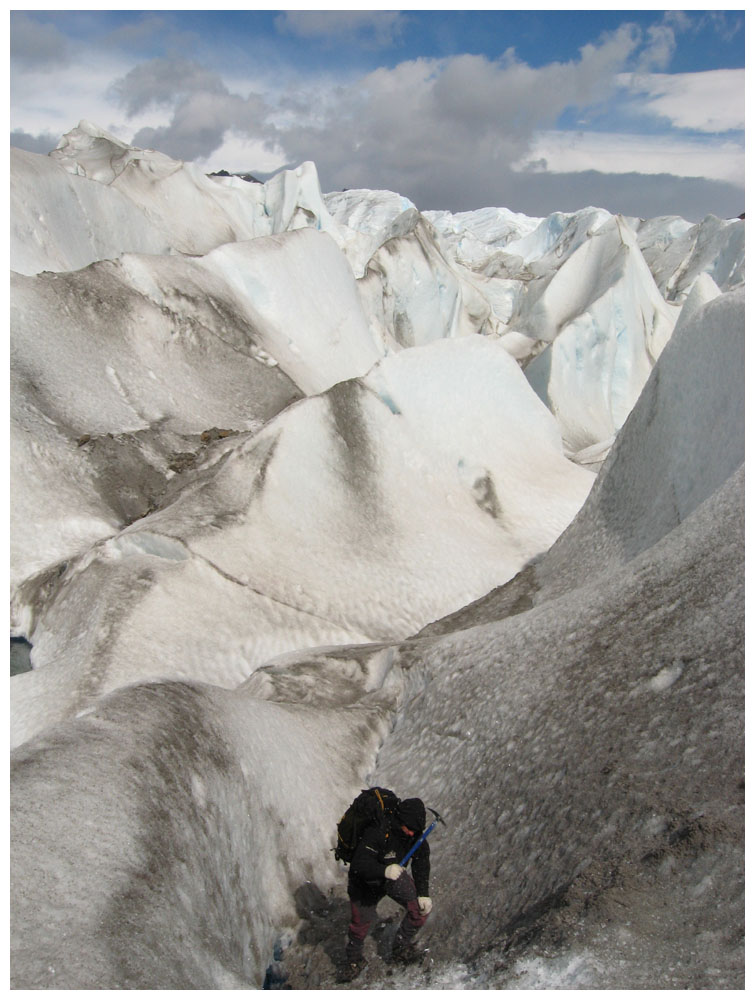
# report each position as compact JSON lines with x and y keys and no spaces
{"x":475,"y":237}
{"x":412,"y":295}
{"x":367,"y":219}
{"x":615,"y":756}
{"x":196,"y":211}
{"x":586,"y":752}
{"x":298,"y":291}
{"x":335,"y":523}
{"x":599,"y":336}
{"x":678,"y":253}
{"x":605,"y":324}
{"x":582,"y":730}
{"x":364,"y":211}
{"x":160,"y":349}
{"x":508,"y":255}
{"x":128,"y":199}
{"x":576,"y":303}
{"x":147,"y":353}
{"x":420,"y":277}
{"x":166,"y":858}
{"x":622,"y":728}
{"x":472,"y":236}
{"x":410,"y":291}
{"x":57,"y":219}
{"x":655,"y":476}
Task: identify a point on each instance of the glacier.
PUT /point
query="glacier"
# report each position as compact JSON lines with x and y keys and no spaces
{"x":310,"y":491}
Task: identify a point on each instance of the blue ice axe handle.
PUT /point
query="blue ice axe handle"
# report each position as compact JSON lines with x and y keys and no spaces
{"x":424,"y":836}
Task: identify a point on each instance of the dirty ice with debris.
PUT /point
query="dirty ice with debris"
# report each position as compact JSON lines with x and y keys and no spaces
{"x":311,"y":492}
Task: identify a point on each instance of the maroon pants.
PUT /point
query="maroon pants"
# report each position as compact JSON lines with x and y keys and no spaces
{"x":363,"y":914}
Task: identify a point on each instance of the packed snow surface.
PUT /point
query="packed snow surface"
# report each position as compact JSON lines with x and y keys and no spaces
{"x":314,"y":491}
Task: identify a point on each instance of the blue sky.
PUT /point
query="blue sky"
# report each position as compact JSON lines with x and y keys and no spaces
{"x":640,"y":112}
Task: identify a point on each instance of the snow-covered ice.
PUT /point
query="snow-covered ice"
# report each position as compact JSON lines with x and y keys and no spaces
{"x":310,"y":491}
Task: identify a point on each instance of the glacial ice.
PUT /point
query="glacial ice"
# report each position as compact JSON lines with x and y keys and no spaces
{"x":304,"y":496}
{"x":605,"y":323}
{"x":57,"y":219}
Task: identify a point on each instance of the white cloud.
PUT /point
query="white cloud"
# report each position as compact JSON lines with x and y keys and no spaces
{"x":164,"y":81}
{"x":728,"y":23}
{"x":378,"y":27}
{"x":660,"y":48}
{"x":42,"y":143}
{"x":151,"y":29}
{"x":459,"y":116}
{"x":392,"y":127}
{"x":55,"y":103}
{"x":37,"y":45}
{"x":614,"y":153}
{"x":241,"y":154}
{"x":713,"y":101}
{"x":200,"y":122}
{"x":444,"y":132}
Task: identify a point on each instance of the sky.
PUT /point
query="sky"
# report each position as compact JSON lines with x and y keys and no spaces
{"x":639,"y":112}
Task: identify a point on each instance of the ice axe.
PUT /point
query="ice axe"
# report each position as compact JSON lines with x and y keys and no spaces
{"x":425,"y":835}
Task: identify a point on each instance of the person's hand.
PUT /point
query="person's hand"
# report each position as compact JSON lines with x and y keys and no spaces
{"x":393,"y":872}
{"x":425,"y":905}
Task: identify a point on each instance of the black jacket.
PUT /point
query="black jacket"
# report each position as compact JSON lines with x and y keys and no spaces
{"x":379,"y":848}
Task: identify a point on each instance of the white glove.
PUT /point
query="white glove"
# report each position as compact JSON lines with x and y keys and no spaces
{"x":393,"y":872}
{"x":425,"y":905}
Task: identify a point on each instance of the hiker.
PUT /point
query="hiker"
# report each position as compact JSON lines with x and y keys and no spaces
{"x":375,"y":872}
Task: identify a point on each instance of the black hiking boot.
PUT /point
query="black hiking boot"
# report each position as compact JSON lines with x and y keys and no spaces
{"x":350,"y":970}
{"x":406,"y":952}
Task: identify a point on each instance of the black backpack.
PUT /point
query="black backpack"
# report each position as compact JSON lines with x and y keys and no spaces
{"x":372,"y":807}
